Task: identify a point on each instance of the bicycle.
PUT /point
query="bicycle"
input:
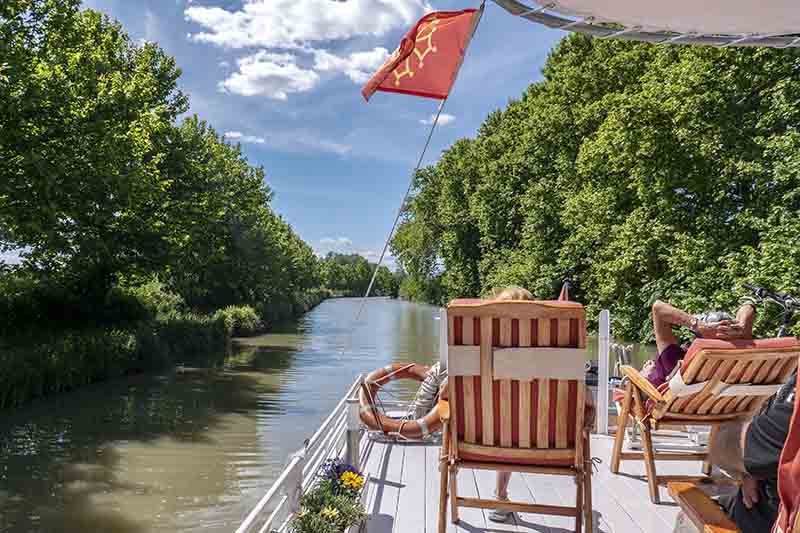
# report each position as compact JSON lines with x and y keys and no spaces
{"x":785,"y":301}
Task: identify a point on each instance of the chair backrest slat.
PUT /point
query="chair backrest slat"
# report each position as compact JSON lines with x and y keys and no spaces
{"x":738,"y":376}
{"x":494,"y":405}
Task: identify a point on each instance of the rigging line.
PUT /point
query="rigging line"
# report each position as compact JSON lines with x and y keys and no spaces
{"x":405,"y":197}
{"x":402,"y":207}
{"x":396,"y":221}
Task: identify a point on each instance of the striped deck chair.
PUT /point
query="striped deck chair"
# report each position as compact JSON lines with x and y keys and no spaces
{"x":517,"y":399}
{"x":718,"y":381}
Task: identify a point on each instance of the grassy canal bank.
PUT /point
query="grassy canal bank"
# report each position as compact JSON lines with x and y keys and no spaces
{"x":151,"y":329}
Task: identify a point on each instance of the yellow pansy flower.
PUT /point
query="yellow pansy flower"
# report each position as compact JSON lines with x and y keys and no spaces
{"x":330,"y":512}
{"x":351,"y":480}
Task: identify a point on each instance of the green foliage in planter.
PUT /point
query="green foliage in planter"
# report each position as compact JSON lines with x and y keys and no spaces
{"x":333,"y":505}
{"x":325,"y":509}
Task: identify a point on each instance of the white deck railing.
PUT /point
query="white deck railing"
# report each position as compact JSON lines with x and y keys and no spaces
{"x":339,"y":435}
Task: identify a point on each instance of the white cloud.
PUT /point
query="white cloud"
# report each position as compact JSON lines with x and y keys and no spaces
{"x":444,"y":119}
{"x":304,"y":141}
{"x":294,"y":23}
{"x":338,"y":242}
{"x":291,"y":141}
{"x":373,"y":256}
{"x":244,"y":139}
{"x":344,"y":245}
{"x":358,"y":66}
{"x":270,"y":75}
{"x":324,"y":145}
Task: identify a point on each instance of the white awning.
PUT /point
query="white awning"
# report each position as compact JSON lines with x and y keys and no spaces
{"x":773,"y":23}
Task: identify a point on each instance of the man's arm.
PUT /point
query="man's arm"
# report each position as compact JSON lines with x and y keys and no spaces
{"x":669,"y":314}
{"x":665,"y":317}
{"x":745,"y":317}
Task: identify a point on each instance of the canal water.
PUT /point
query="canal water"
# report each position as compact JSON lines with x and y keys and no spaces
{"x":195,"y":449}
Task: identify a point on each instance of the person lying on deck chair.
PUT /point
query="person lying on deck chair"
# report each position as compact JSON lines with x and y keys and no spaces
{"x":713,"y":325}
{"x":752,"y":450}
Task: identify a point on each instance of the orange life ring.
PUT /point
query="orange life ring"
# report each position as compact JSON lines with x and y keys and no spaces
{"x":374,"y":419}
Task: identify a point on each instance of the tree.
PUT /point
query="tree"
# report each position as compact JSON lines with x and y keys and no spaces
{"x":83,"y":115}
{"x":350,"y":274}
{"x":101,"y":186}
{"x":637,"y":171}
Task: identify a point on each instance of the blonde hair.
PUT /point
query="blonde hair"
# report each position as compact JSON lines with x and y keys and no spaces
{"x":510,"y":293}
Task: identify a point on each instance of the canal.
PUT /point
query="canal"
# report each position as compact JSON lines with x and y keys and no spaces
{"x":195,"y":448}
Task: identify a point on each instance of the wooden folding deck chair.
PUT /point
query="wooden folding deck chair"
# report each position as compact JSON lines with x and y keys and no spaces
{"x":718,"y":381}
{"x":708,"y":517}
{"x":516,"y":400}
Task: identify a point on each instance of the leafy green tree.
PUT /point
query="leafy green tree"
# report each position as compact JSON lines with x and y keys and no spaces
{"x":83,"y":116}
{"x":350,"y":275}
{"x":637,"y":171}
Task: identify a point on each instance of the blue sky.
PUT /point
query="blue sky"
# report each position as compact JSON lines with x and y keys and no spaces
{"x":284,"y":77}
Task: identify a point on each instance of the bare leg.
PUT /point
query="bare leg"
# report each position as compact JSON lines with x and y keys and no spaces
{"x":501,"y":492}
{"x":502,"y":485}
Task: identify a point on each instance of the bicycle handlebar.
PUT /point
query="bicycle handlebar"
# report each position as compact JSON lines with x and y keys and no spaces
{"x":787,"y":301}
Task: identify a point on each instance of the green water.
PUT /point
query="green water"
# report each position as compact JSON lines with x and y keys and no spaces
{"x":184,"y":451}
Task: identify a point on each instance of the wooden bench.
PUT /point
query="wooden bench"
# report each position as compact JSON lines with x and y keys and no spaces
{"x":704,"y":512}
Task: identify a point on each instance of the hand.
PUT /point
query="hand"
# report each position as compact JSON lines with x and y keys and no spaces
{"x":724,"y":329}
{"x":749,"y":492}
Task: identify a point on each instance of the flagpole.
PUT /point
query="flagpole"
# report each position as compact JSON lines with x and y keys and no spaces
{"x":411,"y":184}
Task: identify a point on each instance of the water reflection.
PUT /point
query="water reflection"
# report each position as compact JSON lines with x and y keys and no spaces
{"x":195,"y":448}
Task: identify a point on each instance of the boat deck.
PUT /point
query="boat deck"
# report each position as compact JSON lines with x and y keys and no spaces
{"x":402,"y":493}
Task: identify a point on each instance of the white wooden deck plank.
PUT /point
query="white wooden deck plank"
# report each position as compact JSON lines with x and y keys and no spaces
{"x":486,"y":483}
{"x":432,"y":492}
{"x":610,"y":515}
{"x":470,"y":517}
{"x":370,"y":469}
{"x":518,"y":491}
{"x":388,"y":481}
{"x":563,"y":489}
{"x":411,"y":504}
{"x":631,"y":496}
{"x":629,"y":488}
{"x":403,"y":494}
{"x":543,"y":488}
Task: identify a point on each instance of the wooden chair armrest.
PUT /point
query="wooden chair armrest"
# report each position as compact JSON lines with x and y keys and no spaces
{"x":444,"y":410}
{"x":642,"y":383}
{"x":704,"y":512}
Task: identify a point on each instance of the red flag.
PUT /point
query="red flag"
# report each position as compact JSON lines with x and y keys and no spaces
{"x":427,"y":61}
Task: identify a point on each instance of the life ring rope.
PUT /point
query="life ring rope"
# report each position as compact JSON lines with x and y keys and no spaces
{"x":372,"y":407}
{"x":390,"y":376}
{"x":370,"y":412}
